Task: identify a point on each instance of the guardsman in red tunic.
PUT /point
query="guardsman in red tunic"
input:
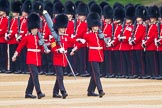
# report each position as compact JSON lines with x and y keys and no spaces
{"x":33,"y":59}
{"x":135,"y":41}
{"x":26,"y":9}
{"x":158,"y":43}
{"x":47,"y":66}
{"x":12,"y":37}
{"x":70,"y":12}
{"x":95,"y":53}
{"x":119,"y":15}
{"x":107,"y":31}
{"x":149,"y":45}
{"x":80,"y":29}
{"x":124,"y":42}
{"x":59,"y":50}
{"x":4,"y":10}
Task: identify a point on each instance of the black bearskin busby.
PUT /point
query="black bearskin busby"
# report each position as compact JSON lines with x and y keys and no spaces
{"x":49,"y":7}
{"x":5,"y":6}
{"x":27,"y":6}
{"x":141,"y":12}
{"x":119,"y":13}
{"x":69,"y":8}
{"x":38,"y":7}
{"x":108,"y":12}
{"x":90,"y":3}
{"x":96,"y":8}
{"x":103,"y":4}
{"x":61,"y":21}
{"x":83,"y":9}
{"x":128,"y":5}
{"x":160,"y":10}
{"x":77,"y":3}
{"x":130,"y":12}
{"x":153,"y":12}
{"x":16,"y":6}
{"x":93,"y":19}
{"x":58,"y":8}
{"x":55,"y":1}
{"x":33,"y":21}
{"x":117,"y":4}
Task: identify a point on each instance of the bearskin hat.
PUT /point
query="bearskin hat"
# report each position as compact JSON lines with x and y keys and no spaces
{"x":16,"y":6}
{"x":130,"y":12}
{"x":69,"y":8}
{"x":153,"y":12}
{"x":49,"y":7}
{"x":82,"y":9}
{"x":117,"y":4}
{"x":93,"y":19}
{"x":58,"y":8}
{"x":96,"y":8}
{"x":160,"y":11}
{"x":90,"y":3}
{"x":77,"y":3}
{"x":61,"y":21}
{"x":128,"y":5}
{"x":141,"y":12}
{"x":38,"y":7}
{"x":33,"y":21}
{"x":108,"y":12}
{"x":103,"y":4}
{"x":119,"y":13}
{"x":27,"y":6}
{"x":5,"y":6}
{"x":55,"y":1}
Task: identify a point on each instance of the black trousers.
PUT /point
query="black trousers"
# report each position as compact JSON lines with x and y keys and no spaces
{"x":3,"y":56}
{"x":95,"y":78}
{"x":159,"y":57}
{"x":106,"y":66}
{"x":59,"y":84}
{"x":14,"y":66}
{"x":47,"y":63}
{"x":33,"y":80}
{"x":23,"y":66}
{"x":116,"y":63}
{"x":138,"y":62}
{"x":151,"y":63}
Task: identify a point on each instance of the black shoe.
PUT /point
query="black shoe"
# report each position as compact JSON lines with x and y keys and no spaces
{"x":159,"y":78}
{"x":146,"y":77}
{"x":18,"y":72}
{"x":30,"y":96}
{"x":41,"y":73}
{"x":85,"y":75}
{"x":64,"y":95}
{"x":101,"y":94}
{"x":56,"y":96}
{"x":41,"y":95}
{"x":49,"y":73}
{"x":92,"y":94}
{"x":9,"y":71}
{"x":111,"y":76}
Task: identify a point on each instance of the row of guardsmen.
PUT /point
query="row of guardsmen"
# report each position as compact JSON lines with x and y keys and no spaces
{"x":131,"y":33}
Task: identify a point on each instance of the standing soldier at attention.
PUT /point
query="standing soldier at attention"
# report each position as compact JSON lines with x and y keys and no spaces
{"x":12,"y":36}
{"x":4,"y":11}
{"x":33,"y":59}
{"x":95,"y":53}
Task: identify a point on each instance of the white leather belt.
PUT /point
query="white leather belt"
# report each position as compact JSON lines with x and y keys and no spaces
{"x":97,"y":48}
{"x":34,"y":50}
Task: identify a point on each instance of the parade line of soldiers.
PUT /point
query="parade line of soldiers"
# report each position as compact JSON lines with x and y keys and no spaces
{"x":131,"y":34}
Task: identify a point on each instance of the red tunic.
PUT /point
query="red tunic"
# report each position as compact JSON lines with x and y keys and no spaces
{"x":95,"y":46}
{"x":23,"y":27}
{"x":33,"y":49}
{"x":159,"y":48}
{"x":3,"y":28}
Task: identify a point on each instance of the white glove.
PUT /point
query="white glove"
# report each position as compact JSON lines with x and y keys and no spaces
{"x":50,"y":37}
{"x":73,"y":36}
{"x":14,"y":56}
{"x":157,"y":42}
{"x":7,"y":36}
{"x":61,"y":50}
{"x":143,"y":43}
{"x":73,"y":51}
{"x":18,"y":38}
{"x":81,"y":40}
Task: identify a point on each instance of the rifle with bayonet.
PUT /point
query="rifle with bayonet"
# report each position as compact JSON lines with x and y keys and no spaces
{"x":18,"y":36}
{"x":146,"y":37}
{"x":122,"y":31}
{"x":133,"y":33}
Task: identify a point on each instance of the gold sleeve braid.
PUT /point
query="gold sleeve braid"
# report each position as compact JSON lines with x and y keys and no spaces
{"x":53,"y":44}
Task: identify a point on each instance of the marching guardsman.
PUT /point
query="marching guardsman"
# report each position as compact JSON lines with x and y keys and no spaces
{"x":47,"y":66}
{"x":13,"y":35}
{"x":4,"y":11}
{"x":124,"y":41}
{"x":26,"y":9}
{"x":70,"y":12}
{"x":59,"y":50}
{"x":135,"y":41}
{"x":79,"y":30}
{"x":95,"y":53}
{"x":108,"y":31}
{"x":33,"y":58}
{"x":58,"y":8}
{"x":149,"y":45}
{"x":158,"y":43}
{"x":38,"y":8}
{"x":119,"y":14}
